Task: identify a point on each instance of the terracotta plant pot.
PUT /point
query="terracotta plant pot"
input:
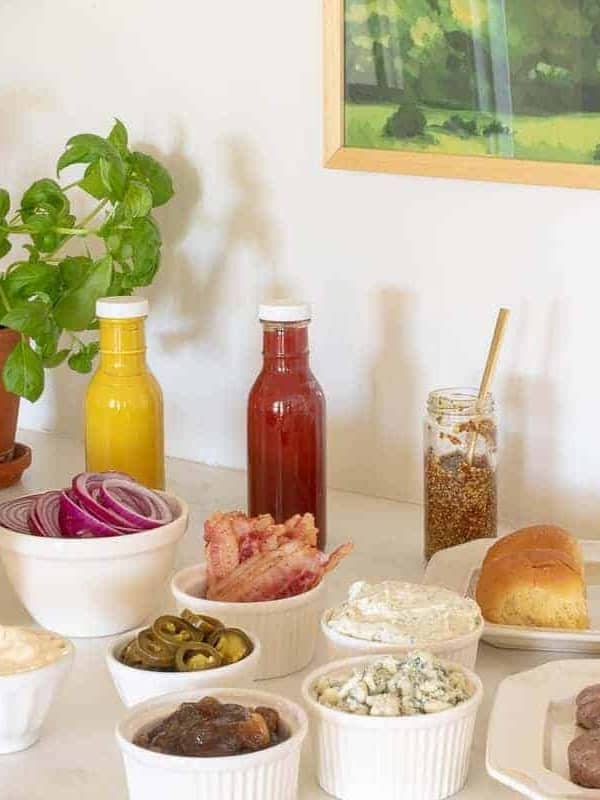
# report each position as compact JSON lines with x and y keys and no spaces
{"x":9,"y":403}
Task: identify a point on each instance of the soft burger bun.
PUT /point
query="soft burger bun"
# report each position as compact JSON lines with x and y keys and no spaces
{"x":533,"y":588}
{"x":537,"y":537}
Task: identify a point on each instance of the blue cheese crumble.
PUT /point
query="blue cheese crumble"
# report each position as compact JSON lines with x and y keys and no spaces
{"x":394,"y":687}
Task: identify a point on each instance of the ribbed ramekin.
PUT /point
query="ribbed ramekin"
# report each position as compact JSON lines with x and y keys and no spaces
{"x":25,"y":700}
{"x":270,"y":774}
{"x":460,"y":650}
{"x":136,"y":685}
{"x":287,"y":629}
{"x":421,"y":757}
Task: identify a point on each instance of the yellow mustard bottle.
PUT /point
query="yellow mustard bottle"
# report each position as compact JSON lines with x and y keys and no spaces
{"x":124,"y":406}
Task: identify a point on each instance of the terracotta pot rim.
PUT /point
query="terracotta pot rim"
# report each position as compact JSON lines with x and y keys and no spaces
{"x":11,"y":471}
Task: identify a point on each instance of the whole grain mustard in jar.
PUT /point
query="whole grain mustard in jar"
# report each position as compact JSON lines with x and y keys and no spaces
{"x":460,"y":466}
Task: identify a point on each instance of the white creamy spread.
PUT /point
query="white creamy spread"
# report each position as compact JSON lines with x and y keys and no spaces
{"x":404,"y":613}
{"x":392,"y":687}
{"x":23,"y":649}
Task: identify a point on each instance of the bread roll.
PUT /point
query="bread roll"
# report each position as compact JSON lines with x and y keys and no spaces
{"x":537,"y":537}
{"x":537,"y":588}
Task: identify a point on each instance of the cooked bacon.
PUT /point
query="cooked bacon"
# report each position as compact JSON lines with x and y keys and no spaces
{"x":252,"y":559}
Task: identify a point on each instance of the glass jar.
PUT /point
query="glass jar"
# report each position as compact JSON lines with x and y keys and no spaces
{"x":460,"y":461}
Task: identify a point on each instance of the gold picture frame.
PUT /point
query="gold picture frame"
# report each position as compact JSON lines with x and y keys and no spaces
{"x":480,"y":168}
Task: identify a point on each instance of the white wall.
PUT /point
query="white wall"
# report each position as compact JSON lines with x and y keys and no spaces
{"x":406,"y":273}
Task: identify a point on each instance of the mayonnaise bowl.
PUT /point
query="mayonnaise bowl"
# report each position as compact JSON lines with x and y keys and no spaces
{"x":30,"y":677}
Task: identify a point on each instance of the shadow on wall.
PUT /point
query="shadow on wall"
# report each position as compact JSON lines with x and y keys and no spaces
{"x":199,"y":287}
{"x":532,"y":477}
{"x":377,"y":450}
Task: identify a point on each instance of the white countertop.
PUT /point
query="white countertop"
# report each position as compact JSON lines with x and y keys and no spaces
{"x":77,"y":757}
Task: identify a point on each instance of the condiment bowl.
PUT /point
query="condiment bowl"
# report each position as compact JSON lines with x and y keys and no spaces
{"x":25,"y":700}
{"x":287,"y":629}
{"x":270,"y":774}
{"x":96,"y":586}
{"x":459,"y":649}
{"x":136,"y":685}
{"x":421,"y":757}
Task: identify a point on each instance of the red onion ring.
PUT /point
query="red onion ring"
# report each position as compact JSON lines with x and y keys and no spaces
{"x":14,"y":514}
{"x":128,"y":499}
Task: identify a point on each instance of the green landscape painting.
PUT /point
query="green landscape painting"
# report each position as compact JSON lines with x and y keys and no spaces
{"x":506,"y":78}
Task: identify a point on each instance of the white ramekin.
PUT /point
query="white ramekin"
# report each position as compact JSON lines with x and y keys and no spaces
{"x":92,"y":587}
{"x":287,"y":629}
{"x":25,"y":700}
{"x":136,"y":685}
{"x":460,"y":650}
{"x":424,"y":757}
{"x":270,"y":774}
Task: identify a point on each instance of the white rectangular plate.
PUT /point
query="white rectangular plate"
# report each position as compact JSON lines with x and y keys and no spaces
{"x":531,"y":726}
{"x":458,"y":567}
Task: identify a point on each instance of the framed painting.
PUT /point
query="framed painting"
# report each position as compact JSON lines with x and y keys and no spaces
{"x":501,"y":90}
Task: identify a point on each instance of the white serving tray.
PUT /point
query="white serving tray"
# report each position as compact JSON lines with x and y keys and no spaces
{"x":531,"y":726}
{"x":458,"y":567}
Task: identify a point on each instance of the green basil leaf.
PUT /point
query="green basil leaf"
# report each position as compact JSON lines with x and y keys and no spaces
{"x":118,"y":137}
{"x":77,"y":307}
{"x":155,"y":175}
{"x":44,"y":196}
{"x":26,"y":279}
{"x":87,"y":148}
{"x":74,"y":270}
{"x":5,"y":247}
{"x":144,"y":239}
{"x":112,"y":175}
{"x":4,"y":203}
{"x":56,"y":359}
{"x":23,"y":373}
{"x":29,"y":318}
{"x":82,"y":360}
{"x":138,"y":199}
{"x":92,"y":182}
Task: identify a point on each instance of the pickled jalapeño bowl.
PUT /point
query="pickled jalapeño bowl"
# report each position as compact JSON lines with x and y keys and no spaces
{"x":96,"y":586}
{"x":136,"y":685}
{"x":418,"y":757}
{"x":287,"y":628}
{"x":270,"y":774}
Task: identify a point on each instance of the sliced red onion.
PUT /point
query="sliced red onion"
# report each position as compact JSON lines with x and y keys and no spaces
{"x":97,"y":504}
{"x":44,"y":517}
{"x":86,"y":487}
{"x":129,"y":499}
{"x":14,"y":514}
{"x":77,"y":521}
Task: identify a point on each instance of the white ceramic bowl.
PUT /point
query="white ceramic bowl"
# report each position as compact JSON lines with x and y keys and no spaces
{"x":25,"y":700}
{"x":92,"y":587}
{"x":422,"y":757}
{"x":136,"y":685}
{"x":270,"y":774}
{"x":287,"y":629}
{"x":461,"y":649}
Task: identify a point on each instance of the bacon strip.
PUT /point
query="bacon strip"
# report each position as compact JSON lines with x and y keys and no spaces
{"x":253,"y":559}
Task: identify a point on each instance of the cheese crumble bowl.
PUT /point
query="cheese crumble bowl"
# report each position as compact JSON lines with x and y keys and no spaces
{"x":136,"y":685}
{"x":26,"y":698}
{"x":421,"y":756}
{"x":82,"y":587}
{"x":270,"y":774}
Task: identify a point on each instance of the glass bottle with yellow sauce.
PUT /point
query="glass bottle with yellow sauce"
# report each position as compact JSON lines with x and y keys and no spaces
{"x":124,"y":407}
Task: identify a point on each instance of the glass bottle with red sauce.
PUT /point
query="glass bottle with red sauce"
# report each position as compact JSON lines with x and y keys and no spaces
{"x":286,"y":422}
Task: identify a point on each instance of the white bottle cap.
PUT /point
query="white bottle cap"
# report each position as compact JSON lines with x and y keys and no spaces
{"x":284,"y":311}
{"x":121,"y":307}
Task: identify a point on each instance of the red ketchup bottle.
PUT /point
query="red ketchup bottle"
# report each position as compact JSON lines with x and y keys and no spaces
{"x":286,"y":422}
